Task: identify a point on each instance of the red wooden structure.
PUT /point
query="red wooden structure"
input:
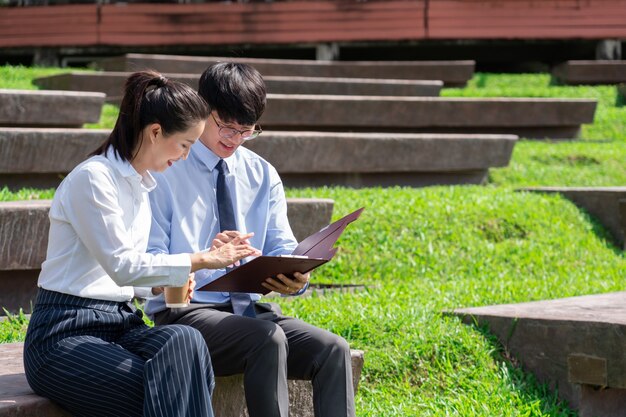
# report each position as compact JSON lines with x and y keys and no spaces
{"x":310,"y":21}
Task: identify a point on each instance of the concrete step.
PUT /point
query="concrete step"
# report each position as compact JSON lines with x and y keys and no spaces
{"x":607,"y":204}
{"x":39,"y":157}
{"x":590,"y":72}
{"x":112,"y":84}
{"x":49,"y":108}
{"x":452,"y":73}
{"x":575,"y":344}
{"x":18,"y":400}
{"x":24,"y":229}
{"x":527,"y":117}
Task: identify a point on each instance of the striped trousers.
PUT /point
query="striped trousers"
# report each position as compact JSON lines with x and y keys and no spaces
{"x":98,"y":358}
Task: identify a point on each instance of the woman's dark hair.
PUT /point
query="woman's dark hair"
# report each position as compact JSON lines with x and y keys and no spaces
{"x":150,"y":98}
{"x":235,"y":91}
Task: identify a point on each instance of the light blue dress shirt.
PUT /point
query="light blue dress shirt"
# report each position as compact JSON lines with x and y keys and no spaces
{"x":185,"y":216}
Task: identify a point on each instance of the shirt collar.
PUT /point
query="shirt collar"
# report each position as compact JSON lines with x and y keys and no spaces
{"x":209,"y":159}
{"x":147,"y":181}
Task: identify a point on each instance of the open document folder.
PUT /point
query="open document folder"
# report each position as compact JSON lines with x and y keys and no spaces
{"x":312,"y":252}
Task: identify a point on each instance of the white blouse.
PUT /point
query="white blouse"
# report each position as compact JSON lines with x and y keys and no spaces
{"x":99,"y":227}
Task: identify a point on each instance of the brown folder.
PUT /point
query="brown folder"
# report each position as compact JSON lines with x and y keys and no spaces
{"x":312,"y":252}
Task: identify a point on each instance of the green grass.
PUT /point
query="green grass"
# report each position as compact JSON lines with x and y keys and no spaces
{"x":425,"y":251}
{"x":597,"y":160}
{"x":25,"y":194}
{"x":13,"y":329}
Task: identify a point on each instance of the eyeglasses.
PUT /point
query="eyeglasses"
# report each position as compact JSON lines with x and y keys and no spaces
{"x":229,"y":132}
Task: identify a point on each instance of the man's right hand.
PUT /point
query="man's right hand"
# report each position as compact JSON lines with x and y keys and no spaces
{"x":227,"y":236}
{"x":226,"y":254}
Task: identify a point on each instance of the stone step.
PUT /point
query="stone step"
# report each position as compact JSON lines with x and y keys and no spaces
{"x":112,"y":84}
{"x":452,"y":73}
{"x":575,"y":344}
{"x":527,"y":117}
{"x":590,"y":72}
{"x":607,"y":204}
{"x":24,"y":229}
{"x":39,"y":157}
{"x":18,"y":400}
{"x":49,"y":108}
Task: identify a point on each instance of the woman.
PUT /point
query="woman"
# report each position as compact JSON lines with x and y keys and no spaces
{"x":87,"y":347}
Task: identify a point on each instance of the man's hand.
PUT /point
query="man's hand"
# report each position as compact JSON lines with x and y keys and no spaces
{"x":228,"y":236}
{"x":284,"y":285}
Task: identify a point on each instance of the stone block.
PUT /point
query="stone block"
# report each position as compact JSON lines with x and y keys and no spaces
{"x":49,"y":108}
{"x":574,"y":344}
{"x":18,"y":400}
{"x":607,"y":204}
{"x":376,"y":159}
{"x":229,"y":399}
{"x":112,"y":84}
{"x":590,"y":72}
{"x":526,"y":117}
{"x":24,"y":229}
{"x":452,"y":73}
{"x":40,"y":157}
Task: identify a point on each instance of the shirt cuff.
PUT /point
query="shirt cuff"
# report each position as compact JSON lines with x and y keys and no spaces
{"x":180,"y":269}
{"x":143,"y":292}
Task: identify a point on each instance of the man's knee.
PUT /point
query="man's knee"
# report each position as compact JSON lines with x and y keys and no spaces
{"x":337,"y":348}
{"x":270,"y":337}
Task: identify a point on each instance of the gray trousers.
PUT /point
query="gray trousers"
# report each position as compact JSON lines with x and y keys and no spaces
{"x":268,"y":350}
{"x":97,"y":358}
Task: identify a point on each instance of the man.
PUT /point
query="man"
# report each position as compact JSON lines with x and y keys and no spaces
{"x":222,"y":191}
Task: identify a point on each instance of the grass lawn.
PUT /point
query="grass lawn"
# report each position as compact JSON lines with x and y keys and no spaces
{"x":427,"y":250}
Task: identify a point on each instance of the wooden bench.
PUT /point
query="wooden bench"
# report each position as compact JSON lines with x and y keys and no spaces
{"x":452,"y":73}
{"x":24,"y":229}
{"x":112,"y":84}
{"x":18,"y":400}
{"x":307,"y":22}
{"x":526,"y":117}
{"x":607,"y":204}
{"x":590,"y":72}
{"x":40,"y":157}
{"x":576,"y":345}
{"x":49,"y":108}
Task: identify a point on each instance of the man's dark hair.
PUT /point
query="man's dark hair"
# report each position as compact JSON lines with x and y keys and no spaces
{"x":151,"y":98}
{"x":235,"y":91}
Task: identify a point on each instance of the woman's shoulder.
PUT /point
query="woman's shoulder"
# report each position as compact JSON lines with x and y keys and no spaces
{"x":95,"y":168}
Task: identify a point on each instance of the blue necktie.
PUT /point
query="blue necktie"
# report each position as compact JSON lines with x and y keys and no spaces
{"x":241,"y":301}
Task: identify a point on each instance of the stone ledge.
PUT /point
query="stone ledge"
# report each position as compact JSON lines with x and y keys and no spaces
{"x":112,"y":84}
{"x":452,"y":73}
{"x":18,"y":400}
{"x":590,"y":72}
{"x":592,"y":327}
{"x":607,"y":204}
{"x":526,"y":117}
{"x":24,"y":229}
{"x":49,"y":108}
{"x":40,"y":157}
